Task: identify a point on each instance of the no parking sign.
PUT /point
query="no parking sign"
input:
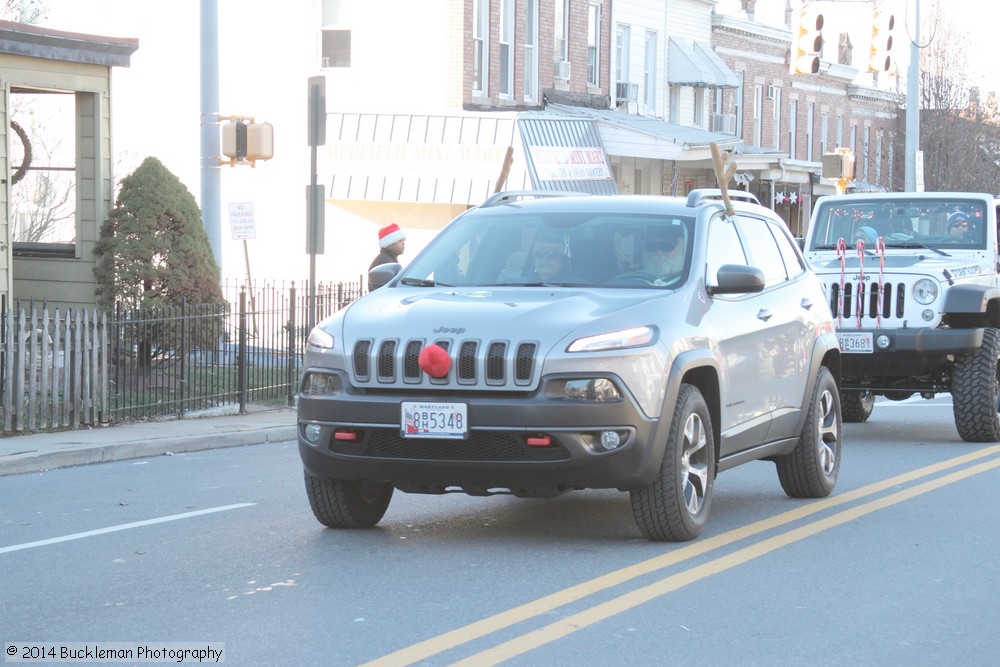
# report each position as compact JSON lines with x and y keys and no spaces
{"x":241,"y":221}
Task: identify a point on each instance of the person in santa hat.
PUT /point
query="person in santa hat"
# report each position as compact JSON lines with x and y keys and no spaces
{"x":392,"y":241}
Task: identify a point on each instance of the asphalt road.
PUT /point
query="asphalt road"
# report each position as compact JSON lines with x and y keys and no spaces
{"x":219,"y":547}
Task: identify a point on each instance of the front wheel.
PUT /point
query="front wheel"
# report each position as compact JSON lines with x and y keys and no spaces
{"x":811,"y":470}
{"x":675,"y":507}
{"x":975,"y":391}
{"x":338,"y":503}
{"x":857,"y":406}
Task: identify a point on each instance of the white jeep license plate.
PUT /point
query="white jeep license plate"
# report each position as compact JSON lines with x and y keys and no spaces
{"x":859,"y":342}
{"x":435,"y":420}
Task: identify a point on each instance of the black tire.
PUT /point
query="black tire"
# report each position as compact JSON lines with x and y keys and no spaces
{"x":676,"y":506}
{"x":347,"y":504}
{"x":811,"y":470}
{"x":974,"y":391}
{"x":856,"y":406}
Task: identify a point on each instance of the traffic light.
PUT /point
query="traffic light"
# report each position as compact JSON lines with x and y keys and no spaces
{"x":807,"y":42}
{"x":244,"y":142}
{"x":882,"y":25}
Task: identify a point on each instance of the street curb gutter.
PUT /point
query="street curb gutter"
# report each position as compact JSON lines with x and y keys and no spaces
{"x":77,"y":454}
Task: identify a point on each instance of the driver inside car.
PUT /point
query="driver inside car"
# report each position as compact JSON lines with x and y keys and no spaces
{"x":663,"y":252}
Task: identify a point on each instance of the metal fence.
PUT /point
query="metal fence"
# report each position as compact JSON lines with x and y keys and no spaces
{"x":71,"y":369}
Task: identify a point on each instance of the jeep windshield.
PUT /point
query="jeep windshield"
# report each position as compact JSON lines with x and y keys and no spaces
{"x":546,"y":246}
{"x":941,"y":225}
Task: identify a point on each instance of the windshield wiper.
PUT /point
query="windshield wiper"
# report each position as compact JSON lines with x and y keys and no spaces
{"x":917,"y":244}
{"x":422,"y":282}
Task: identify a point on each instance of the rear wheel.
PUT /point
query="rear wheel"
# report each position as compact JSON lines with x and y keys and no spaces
{"x":338,"y":503}
{"x":856,"y":406}
{"x":811,"y":470}
{"x":974,"y":391}
{"x":675,"y":507}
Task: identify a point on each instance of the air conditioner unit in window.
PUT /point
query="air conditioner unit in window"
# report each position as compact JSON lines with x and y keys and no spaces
{"x":724,"y":122}
{"x":770,"y":92}
{"x":562,"y":70}
{"x":626,"y":92}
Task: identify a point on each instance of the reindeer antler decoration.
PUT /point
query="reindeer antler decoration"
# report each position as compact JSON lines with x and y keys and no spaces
{"x":725,"y":167}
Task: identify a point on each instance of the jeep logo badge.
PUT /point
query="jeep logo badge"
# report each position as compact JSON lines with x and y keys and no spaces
{"x":450,"y":330}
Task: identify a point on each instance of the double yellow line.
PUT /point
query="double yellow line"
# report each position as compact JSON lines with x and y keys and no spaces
{"x":553,"y":631}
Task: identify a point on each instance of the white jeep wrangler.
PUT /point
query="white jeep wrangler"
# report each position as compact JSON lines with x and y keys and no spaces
{"x":912,"y":280}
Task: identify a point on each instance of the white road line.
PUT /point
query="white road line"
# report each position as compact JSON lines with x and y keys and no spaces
{"x":124,"y":526}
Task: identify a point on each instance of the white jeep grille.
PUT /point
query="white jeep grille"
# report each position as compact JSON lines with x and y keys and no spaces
{"x":845,"y":305}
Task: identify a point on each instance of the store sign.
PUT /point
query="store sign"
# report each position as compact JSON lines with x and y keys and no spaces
{"x":558,"y":163}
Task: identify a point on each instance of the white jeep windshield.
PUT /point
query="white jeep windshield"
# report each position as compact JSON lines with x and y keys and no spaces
{"x":501,"y":246}
{"x":944,"y":224}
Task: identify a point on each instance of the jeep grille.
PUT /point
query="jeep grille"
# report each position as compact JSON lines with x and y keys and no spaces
{"x":475,"y":364}
{"x":893,"y":301}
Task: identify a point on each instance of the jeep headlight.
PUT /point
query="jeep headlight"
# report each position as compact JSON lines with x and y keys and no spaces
{"x":925,"y":291}
{"x":320,"y":338}
{"x":615,"y":340}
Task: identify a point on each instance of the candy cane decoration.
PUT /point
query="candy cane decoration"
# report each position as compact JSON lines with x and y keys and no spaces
{"x":880,"y":251}
{"x":861,"y":280}
{"x":842,"y":255}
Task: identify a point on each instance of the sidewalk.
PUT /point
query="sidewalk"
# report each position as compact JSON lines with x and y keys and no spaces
{"x":45,"y":451}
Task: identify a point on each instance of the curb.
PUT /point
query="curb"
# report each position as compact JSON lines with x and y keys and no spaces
{"x":76,"y":454}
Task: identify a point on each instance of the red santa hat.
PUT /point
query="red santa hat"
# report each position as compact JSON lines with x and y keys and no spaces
{"x":389,"y":235}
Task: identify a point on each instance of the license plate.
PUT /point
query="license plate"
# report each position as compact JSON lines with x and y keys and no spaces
{"x":859,"y":342}
{"x":435,"y":420}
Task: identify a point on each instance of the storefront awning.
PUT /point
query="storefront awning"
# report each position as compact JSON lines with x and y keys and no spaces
{"x":631,"y":135}
{"x":696,"y":64}
{"x":458,"y":158}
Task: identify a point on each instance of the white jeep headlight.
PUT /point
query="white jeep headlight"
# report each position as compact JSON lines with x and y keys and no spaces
{"x":925,"y":291}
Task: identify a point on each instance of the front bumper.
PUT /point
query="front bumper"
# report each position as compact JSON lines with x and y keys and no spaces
{"x":911,"y":352}
{"x":496,"y":457}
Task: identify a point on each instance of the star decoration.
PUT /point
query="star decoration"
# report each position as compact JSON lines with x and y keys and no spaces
{"x":794,"y":197}
{"x":779,"y":198}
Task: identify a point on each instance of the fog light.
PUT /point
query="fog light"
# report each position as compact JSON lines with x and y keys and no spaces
{"x":928,"y":315}
{"x":883,"y":341}
{"x":610,"y":440}
{"x":593,"y":389}
{"x":313,"y":432}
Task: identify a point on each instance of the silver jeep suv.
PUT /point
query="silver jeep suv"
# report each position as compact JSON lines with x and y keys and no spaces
{"x":544,"y":343}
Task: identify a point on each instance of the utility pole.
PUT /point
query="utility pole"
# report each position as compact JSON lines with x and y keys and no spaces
{"x":913,"y":105}
{"x":211,"y":196}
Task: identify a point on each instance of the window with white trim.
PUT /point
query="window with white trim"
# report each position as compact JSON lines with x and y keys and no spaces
{"x":793,"y":128}
{"x":530,"y":50}
{"x":43,"y":154}
{"x":649,"y":74}
{"x":776,"y":118}
{"x":561,"y":29}
{"x":824,"y":132}
{"x":594,"y":44}
{"x":623,"y":35}
{"x":480,"y":46}
{"x":810,"y":120}
{"x":507,"y":48}
{"x":758,"y":103}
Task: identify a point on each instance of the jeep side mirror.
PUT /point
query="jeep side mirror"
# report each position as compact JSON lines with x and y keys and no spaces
{"x":382,"y":274}
{"x":737,"y":279}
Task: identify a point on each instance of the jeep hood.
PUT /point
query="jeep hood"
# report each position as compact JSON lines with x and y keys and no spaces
{"x":540,"y":313}
{"x":929,"y":263}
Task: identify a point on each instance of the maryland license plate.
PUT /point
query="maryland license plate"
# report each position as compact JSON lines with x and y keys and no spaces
{"x":857,"y":342}
{"x":435,"y":420}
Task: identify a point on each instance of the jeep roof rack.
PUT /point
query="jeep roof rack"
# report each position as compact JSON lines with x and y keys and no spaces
{"x":701,"y":195}
{"x":517,"y":195}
